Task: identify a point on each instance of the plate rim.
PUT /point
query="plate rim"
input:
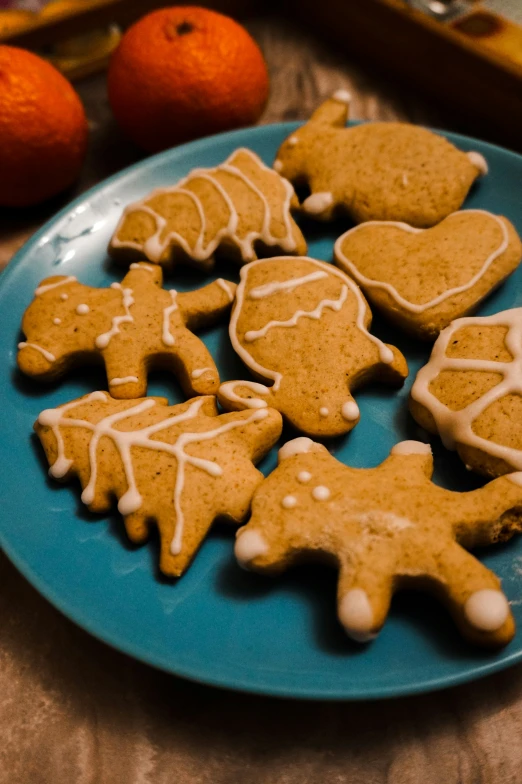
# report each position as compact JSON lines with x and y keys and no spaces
{"x":113,"y":638}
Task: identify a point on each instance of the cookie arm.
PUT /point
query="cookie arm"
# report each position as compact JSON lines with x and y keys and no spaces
{"x":204,"y":307}
{"x":333,"y":112}
{"x":488,"y":515}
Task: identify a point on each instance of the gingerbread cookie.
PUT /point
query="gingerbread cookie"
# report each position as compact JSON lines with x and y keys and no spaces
{"x":470,"y":392}
{"x":180,"y":467}
{"x":303,"y":325}
{"x":423,"y":279}
{"x":133,"y":327}
{"x":241,"y":208}
{"x":376,"y":171}
{"x":386,"y":527}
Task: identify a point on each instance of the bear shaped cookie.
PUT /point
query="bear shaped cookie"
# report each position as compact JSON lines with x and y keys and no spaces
{"x":422,"y":279}
{"x":376,"y":171}
{"x":133,"y":327}
{"x":385,"y":528}
{"x":241,"y":208}
{"x":180,"y":467}
{"x":303,"y":325}
{"x":470,"y":392}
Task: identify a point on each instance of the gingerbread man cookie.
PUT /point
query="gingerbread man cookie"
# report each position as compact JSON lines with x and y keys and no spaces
{"x":470,"y":392}
{"x":241,"y":207}
{"x":133,"y":327}
{"x":303,"y":325}
{"x":376,"y":171}
{"x":422,"y":279}
{"x":386,"y":527}
{"x":180,"y":467}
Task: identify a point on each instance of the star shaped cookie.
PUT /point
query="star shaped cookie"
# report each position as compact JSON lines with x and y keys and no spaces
{"x":385,"y":528}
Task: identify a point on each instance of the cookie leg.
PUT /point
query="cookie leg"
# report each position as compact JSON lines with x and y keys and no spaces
{"x":363,"y":598}
{"x":197,"y":372}
{"x":126,"y":375}
{"x":474,"y":597}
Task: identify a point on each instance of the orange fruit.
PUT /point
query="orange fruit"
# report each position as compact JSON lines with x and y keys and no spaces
{"x":43,"y":129}
{"x":184,"y":72}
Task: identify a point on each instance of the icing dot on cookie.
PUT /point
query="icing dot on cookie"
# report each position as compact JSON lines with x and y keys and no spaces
{"x":57,"y":321}
{"x":317,"y":203}
{"x":64,"y":297}
{"x":350,"y":410}
{"x":479,"y":161}
{"x":342,"y":95}
{"x":249,"y":544}
{"x":278,"y":165}
{"x":289,"y":501}
{"x":304,"y":476}
{"x":356,"y":615}
{"x":321,"y":493}
{"x":298,"y":446}
{"x":82,"y":309}
{"x":405,"y":179}
{"x":292,"y":141}
{"x":487,"y":609}
{"x":411,"y":448}
{"x":323,"y":411}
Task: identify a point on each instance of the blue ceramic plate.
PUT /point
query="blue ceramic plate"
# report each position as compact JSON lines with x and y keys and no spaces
{"x":218,"y":624}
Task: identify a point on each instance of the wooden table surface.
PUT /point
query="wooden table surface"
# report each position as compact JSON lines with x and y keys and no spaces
{"x":73,"y":711}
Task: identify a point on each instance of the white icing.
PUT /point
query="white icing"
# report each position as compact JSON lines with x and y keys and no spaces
{"x":456,"y":427}
{"x":334,"y":304}
{"x":350,"y":410}
{"x":82,"y":309}
{"x":103,"y":340}
{"x":317,"y":203}
{"x":260,"y":292}
{"x":292,"y":141}
{"x":413,"y":307}
{"x":289,"y":501}
{"x":342,"y":95}
{"x":166,"y":335}
{"x":278,"y":165}
{"x":249,"y":545}
{"x":321,"y":493}
{"x":227,"y":288}
{"x":411,"y":448}
{"x":515,"y":477}
{"x":356,"y":615}
{"x":479,"y":161}
{"x":116,"y":382}
{"x":48,"y":286}
{"x":227,"y":390}
{"x":199,"y":372}
{"x":57,"y":321}
{"x":297,"y":446}
{"x":125,"y":440}
{"x":154,"y":247}
{"x":487,"y":609}
{"x":324,"y":411}
{"x":142,"y":266}
{"x":304,"y":476}
{"x":64,"y":297}
{"x":385,"y":353}
{"x":47,"y":354}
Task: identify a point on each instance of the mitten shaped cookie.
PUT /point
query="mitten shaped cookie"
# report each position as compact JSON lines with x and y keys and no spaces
{"x":376,"y":171}
{"x":241,"y":208}
{"x":470,"y":391}
{"x":385,"y":528}
{"x":180,"y":467}
{"x":303,"y":325}
{"x":423,"y":279}
{"x":134,"y":327}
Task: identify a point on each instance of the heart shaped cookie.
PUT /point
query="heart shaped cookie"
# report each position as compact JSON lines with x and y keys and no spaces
{"x":423,"y":279}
